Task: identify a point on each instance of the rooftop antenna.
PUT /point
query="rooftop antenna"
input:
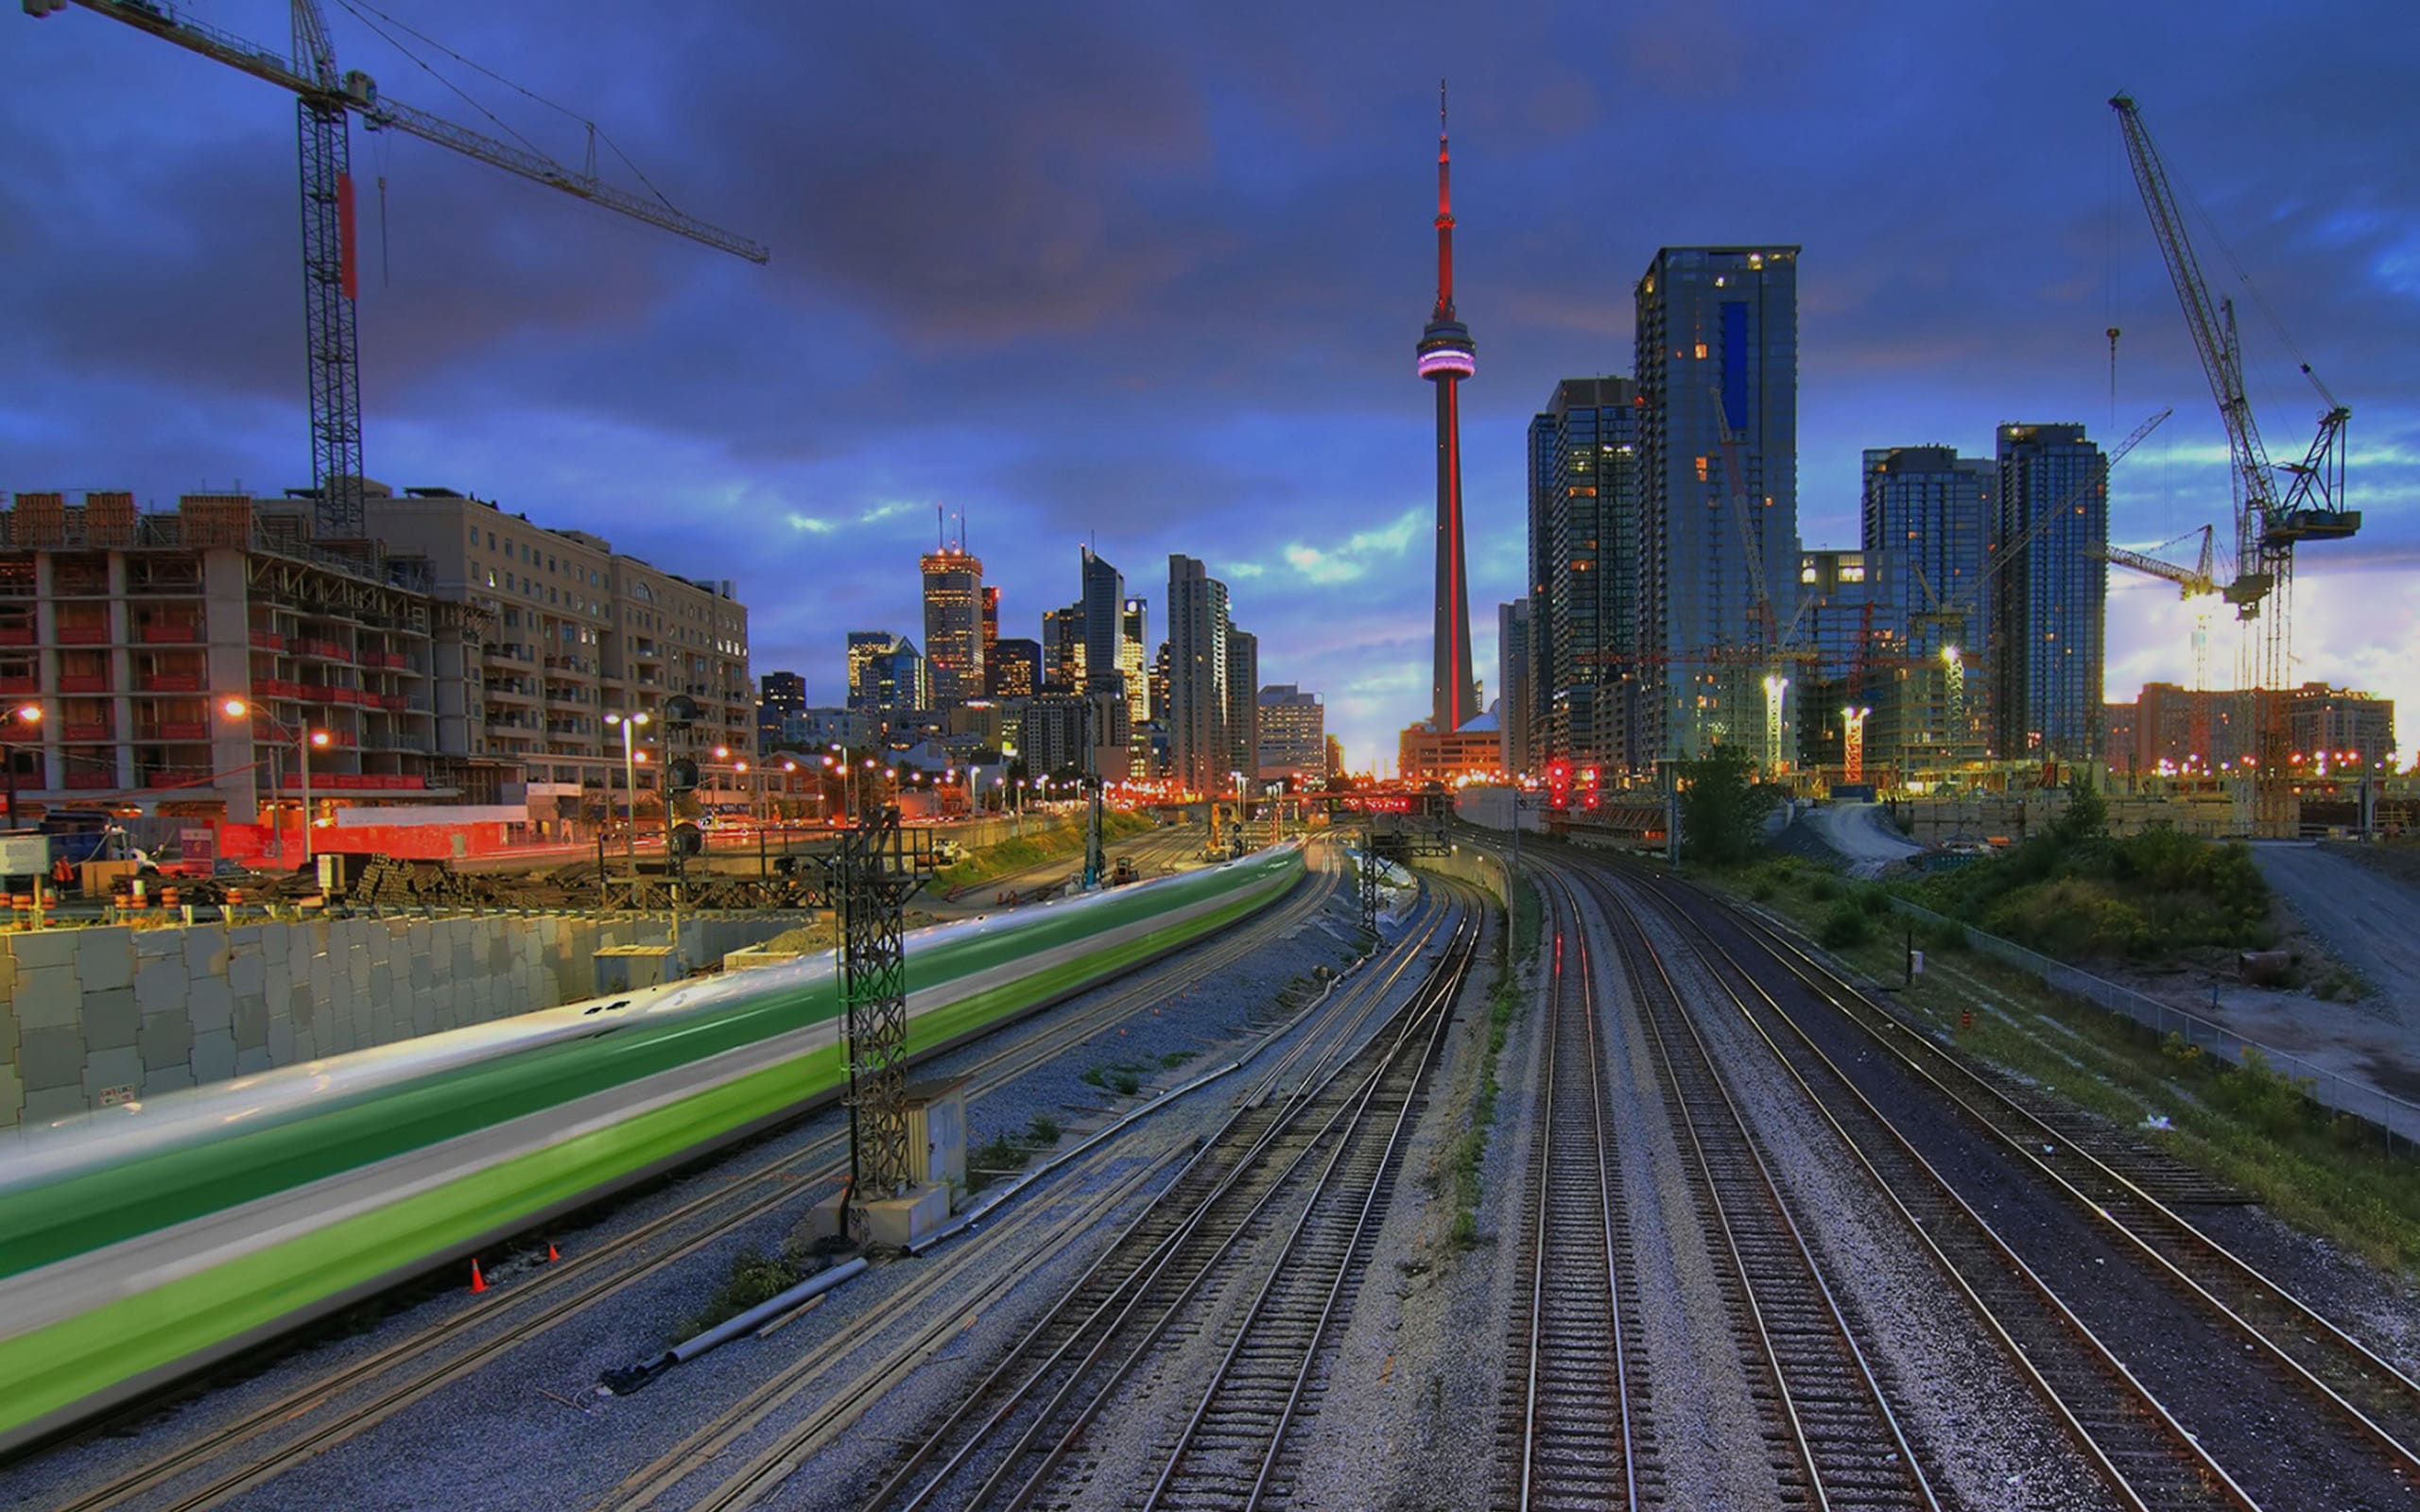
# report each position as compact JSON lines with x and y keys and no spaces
{"x":941,"y":527}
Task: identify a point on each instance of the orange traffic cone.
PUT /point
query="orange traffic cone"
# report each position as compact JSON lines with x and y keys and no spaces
{"x":551,"y":1254}
{"x":478,"y":1282}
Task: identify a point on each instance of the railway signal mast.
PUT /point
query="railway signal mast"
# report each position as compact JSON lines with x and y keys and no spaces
{"x":326,"y":101}
{"x":2270,"y":518}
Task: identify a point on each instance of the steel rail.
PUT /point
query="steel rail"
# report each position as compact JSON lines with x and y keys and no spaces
{"x":1801,"y":1334}
{"x":1574,"y":1384}
{"x":1308,"y":1254}
{"x":2045,"y":1339}
{"x":993,"y":1071}
{"x":2305,"y":1345}
{"x":767,"y":1469}
{"x":1134,"y":1282}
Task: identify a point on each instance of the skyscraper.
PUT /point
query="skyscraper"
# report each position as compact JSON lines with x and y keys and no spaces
{"x":1584,"y":672}
{"x":779,"y":695}
{"x":1198,"y":689}
{"x":1133,"y":626}
{"x":991,"y":624}
{"x":1445,"y":358}
{"x":2053,"y":593}
{"x":1014,"y":669}
{"x":1243,"y":702}
{"x":1717,"y":357}
{"x":1062,"y":648}
{"x":954,"y":625}
{"x":1931,"y":511}
{"x":864,"y":645}
{"x":1104,"y":610}
{"x":1512,"y":685}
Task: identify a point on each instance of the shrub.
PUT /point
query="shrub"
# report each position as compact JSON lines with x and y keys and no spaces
{"x":1125,"y":1083}
{"x":1043,"y":1129}
{"x":1873,"y":900}
{"x":1761,"y":890}
{"x":1822,"y":889}
{"x":1845,"y":926}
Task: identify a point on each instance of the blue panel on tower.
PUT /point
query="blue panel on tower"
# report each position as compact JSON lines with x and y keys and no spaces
{"x":1735,"y":365}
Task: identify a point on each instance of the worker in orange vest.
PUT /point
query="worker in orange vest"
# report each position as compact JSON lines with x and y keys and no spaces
{"x":63,"y":872}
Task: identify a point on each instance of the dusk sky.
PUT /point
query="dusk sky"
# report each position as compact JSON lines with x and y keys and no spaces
{"x":1151,"y":276}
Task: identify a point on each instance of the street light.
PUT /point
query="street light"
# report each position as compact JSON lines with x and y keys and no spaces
{"x":305,"y":737}
{"x":630,"y":725}
{"x":22,"y":718}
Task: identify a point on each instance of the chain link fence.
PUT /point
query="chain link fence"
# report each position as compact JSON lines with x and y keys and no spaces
{"x":2399,"y":1119}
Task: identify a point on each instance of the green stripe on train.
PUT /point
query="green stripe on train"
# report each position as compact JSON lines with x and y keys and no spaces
{"x":75,"y":1358}
{"x":85,"y":1212}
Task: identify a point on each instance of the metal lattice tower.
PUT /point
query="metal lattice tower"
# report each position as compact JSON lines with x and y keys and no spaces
{"x":1369,"y":881}
{"x":877,"y":875}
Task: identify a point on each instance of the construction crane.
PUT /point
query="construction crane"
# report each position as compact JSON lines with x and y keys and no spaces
{"x":1951,"y":618}
{"x":1766,"y":649}
{"x":2198,"y":581}
{"x":326,"y":100}
{"x":2269,"y":521}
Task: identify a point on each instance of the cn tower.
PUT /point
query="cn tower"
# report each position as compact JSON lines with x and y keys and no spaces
{"x":1445,"y":360}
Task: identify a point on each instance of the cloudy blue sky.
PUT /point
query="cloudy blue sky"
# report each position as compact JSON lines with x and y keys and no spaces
{"x":1150,"y":275}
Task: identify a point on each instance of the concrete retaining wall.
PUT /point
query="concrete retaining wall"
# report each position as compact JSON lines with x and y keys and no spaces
{"x":92,"y":1017}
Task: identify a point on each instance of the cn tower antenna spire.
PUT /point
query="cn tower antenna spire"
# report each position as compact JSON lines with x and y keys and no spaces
{"x":1444,"y":310}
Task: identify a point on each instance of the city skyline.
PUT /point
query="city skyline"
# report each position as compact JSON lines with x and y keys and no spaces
{"x":1197,"y":296}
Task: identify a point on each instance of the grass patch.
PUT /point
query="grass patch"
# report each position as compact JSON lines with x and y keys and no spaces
{"x":755,"y":1278}
{"x":988,"y":1162}
{"x":2247,"y":1125}
{"x":1469,"y":1151}
{"x":1121,"y":1079}
{"x":1176,"y":1058}
{"x":1063,"y":839}
{"x":1042,"y":1130}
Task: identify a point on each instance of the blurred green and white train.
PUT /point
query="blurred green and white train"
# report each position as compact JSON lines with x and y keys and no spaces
{"x":147,"y":1241}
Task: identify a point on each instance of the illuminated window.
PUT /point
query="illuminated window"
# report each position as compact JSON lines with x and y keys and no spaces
{"x":1701,"y":351}
{"x":1852,"y":573}
{"x":1702,"y":470}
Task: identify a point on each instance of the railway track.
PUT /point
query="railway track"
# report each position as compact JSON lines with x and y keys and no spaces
{"x":2300,"y":1345}
{"x":452,"y":1350}
{"x":2129,"y":1437}
{"x":1840,"y":1440}
{"x":1192,"y":1256}
{"x":765,"y":1470}
{"x":1567,"y":1435}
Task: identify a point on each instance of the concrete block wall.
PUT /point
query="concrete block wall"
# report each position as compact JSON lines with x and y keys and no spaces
{"x":91,"y":1017}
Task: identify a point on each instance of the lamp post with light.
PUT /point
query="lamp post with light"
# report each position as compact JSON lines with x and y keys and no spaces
{"x":305,"y":737}
{"x":629,"y":724}
{"x":22,"y":718}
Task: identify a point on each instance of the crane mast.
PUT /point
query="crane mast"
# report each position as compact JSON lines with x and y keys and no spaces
{"x":326,"y":100}
{"x":2268,"y":523}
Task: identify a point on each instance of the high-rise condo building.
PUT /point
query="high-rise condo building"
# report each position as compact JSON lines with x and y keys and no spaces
{"x":1293,"y":734}
{"x":954,"y":625}
{"x":900,"y":683}
{"x":1198,"y":687}
{"x":1717,"y":364}
{"x":1853,"y":656}
{"x":1243,"y":702}
{"x":1512,"y":685}
{"x":1586,"y":677}
{"x":1932,"y":510}
{"x":2052,"y":594}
